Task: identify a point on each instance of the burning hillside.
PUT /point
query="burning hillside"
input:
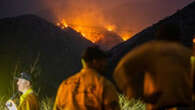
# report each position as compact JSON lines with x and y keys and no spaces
{"x":90,"y":20}
{"x":106,"y":35}
{"x":92,"y":32}
{"x":123,"y":17}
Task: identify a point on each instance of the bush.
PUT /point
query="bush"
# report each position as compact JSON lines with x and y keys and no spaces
{"x":132,"y":104}
{"x":47,"y":103}
{"x":2,"y":103}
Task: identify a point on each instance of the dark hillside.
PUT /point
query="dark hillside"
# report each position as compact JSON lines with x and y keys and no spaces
{"x":184,"y":17}
{"x":25,"y":38}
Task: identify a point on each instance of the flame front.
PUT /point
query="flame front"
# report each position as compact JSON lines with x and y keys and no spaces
{"x":91,"y":18}
{"x":110,"y":27}
{"x":125,"y":35}
{"x":194,"y":40}
{"x":91,"y":25}
{"x":92,"y":32}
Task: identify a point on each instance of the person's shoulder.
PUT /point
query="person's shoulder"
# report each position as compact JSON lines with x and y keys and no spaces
{"x":32,"y":95}
{"x":72,"y":79}
{"x":143,"y":48}
{"x":105,"y":81}
{"x":178,"y":47}
{"x":139,"y":52}
{"x":90,"y":72}
{"x":31,"y":99}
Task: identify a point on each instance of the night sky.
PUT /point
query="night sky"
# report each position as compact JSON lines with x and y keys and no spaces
{"x":137,"y":13}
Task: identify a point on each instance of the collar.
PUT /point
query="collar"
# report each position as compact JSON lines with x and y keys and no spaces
{"x":86,"y":69}
{"x":24,"y":95}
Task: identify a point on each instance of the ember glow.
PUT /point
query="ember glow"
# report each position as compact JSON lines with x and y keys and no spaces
{"x":110,"y":27}
{"x":123,"y":17}
{"x":92,"y":32}
{"x":91,"y":20}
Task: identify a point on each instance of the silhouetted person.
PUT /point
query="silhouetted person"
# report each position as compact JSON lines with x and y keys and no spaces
{"x":88,"y":89}
{"x":165,"y":65}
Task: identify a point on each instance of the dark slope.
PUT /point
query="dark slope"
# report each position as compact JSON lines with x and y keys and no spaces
{"x":25,"y":38}
{"x":185,"y":18}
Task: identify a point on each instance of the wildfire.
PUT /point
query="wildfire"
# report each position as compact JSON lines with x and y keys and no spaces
{"x":83,"y":34}
{"x":89,"y":33}
{"x":64,"y":23}
{"x":92,"y":33}
{"x":125,"y":35}
{"x":110,"y":27}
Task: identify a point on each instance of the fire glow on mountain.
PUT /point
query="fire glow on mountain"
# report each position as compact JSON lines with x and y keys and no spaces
{"x":92,"y":32}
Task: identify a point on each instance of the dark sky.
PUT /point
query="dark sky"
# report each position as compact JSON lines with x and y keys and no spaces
{"x":17,"y":7}
{"x":137,"y":13}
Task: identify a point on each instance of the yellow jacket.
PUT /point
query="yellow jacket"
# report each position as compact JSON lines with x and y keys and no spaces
{"x":28,"y":101}
{"x":86,"y":90}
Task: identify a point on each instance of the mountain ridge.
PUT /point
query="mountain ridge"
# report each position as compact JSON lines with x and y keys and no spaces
{"x":24,"y":38}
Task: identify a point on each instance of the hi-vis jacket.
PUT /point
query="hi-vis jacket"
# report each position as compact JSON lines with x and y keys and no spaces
{"x":28,"y":101}
{"x":86,"y":90}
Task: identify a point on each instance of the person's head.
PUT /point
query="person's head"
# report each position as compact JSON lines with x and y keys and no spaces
{"x":94,"y":57}
{"x":168,"y":32}
{"x":24,"y":82}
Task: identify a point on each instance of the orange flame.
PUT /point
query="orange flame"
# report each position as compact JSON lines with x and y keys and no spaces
{"x":90,"y":19}
{"x":110,"y":27}
{"x":64,"y":23}
{"x":91,"y":31}
{"x":125,"y":35}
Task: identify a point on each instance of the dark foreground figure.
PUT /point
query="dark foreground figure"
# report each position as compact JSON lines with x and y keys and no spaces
{"x":88,"y":89}
{"x":165,"y":65}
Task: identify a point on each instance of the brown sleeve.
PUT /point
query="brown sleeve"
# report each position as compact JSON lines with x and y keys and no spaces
{"x":57,"y":103}
{"x":110,"y":97}
{"x":129,"y":71}
{"x":24,"y":106}
{"x":30,"y":103}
